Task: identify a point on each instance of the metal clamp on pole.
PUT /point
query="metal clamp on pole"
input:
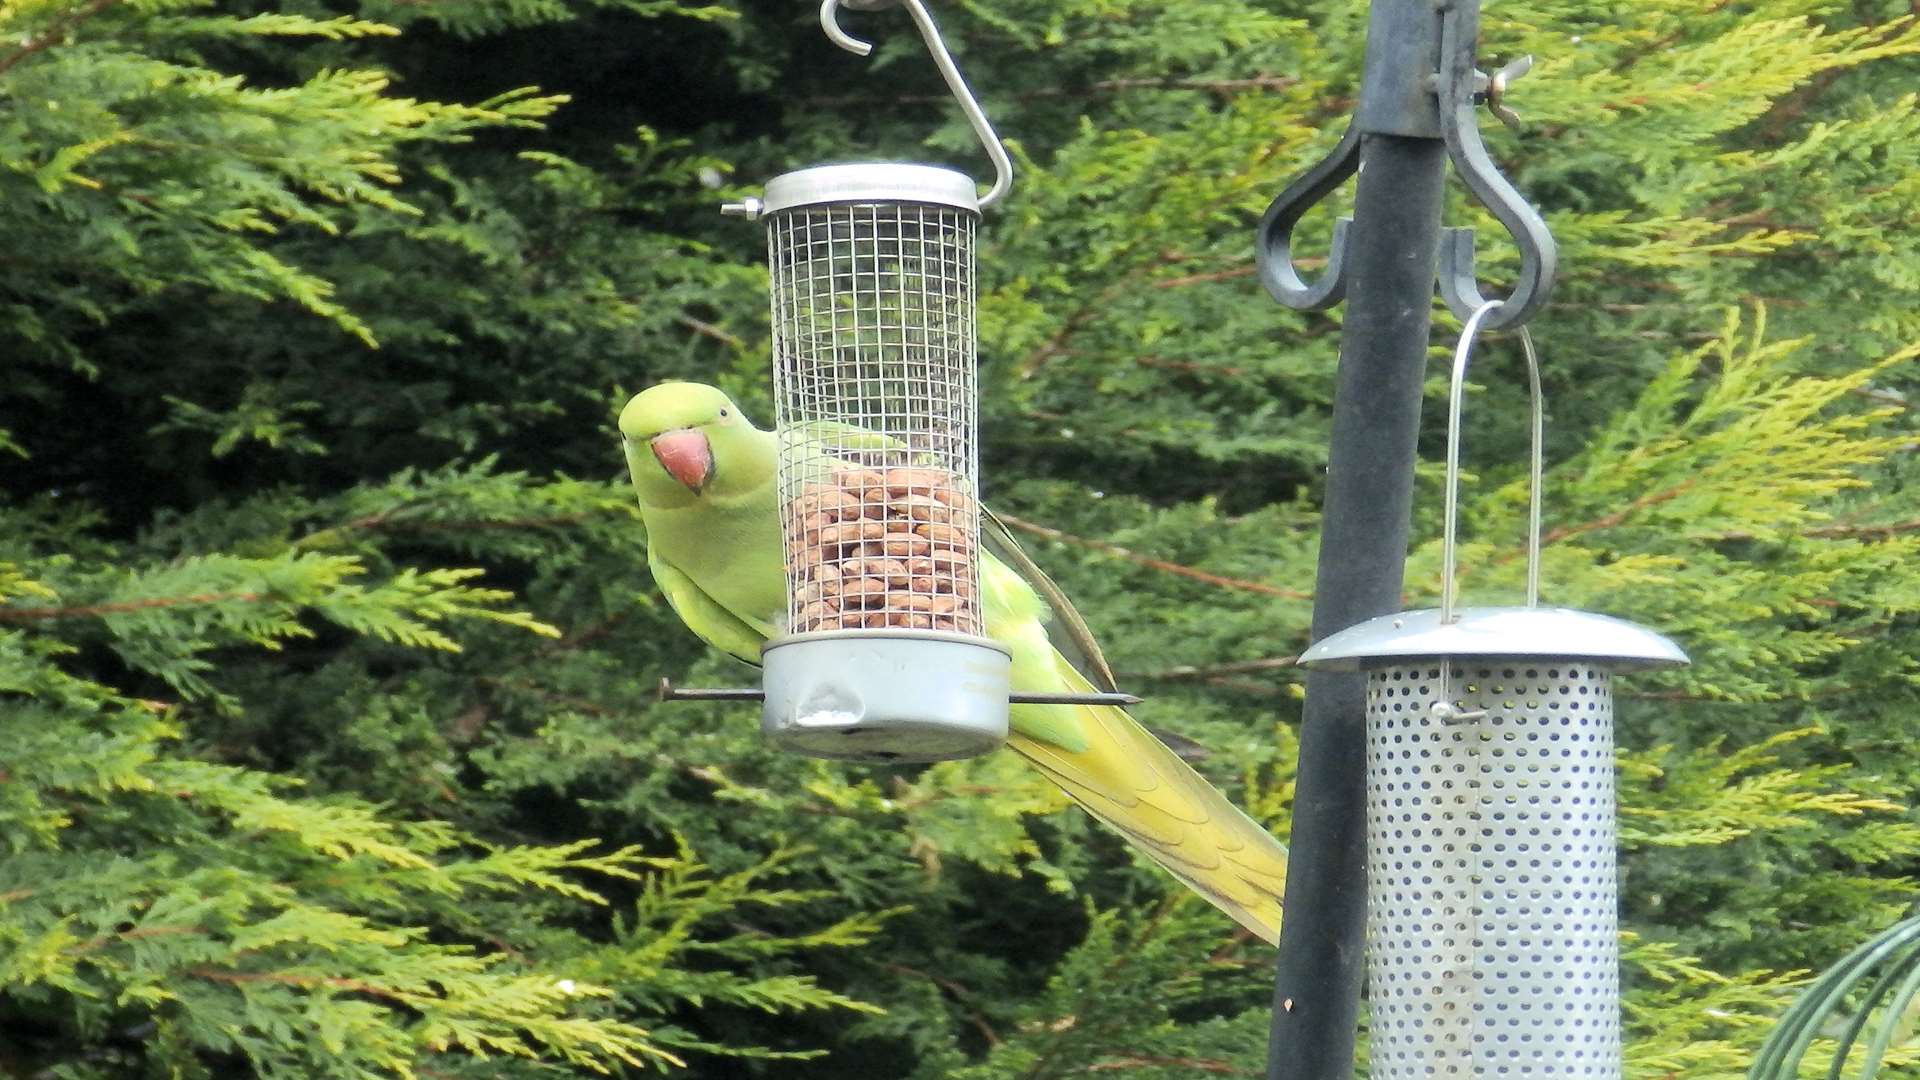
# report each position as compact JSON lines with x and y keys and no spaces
{"x":1398,"y":99}
{"x":1461,"y":88}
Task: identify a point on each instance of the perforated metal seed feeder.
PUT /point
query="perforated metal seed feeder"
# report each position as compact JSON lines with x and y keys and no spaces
{"x":875,"y":394}
{"x":1492,"y":924}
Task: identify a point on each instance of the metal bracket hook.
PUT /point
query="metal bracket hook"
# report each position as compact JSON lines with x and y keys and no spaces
{"x":1273,"y":249}
{"x":1458,"y":85}
{"x":1459,"y":89}
{"x":996,"y":152}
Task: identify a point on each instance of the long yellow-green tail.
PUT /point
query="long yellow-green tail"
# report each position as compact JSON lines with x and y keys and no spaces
{"x":1114,"y":768}
{"x":1130,"y":780}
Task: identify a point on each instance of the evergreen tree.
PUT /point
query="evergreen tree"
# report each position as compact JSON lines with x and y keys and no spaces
{"x":328,"y":648}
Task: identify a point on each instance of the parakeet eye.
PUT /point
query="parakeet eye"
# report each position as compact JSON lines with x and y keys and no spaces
{"x":723,"y":414}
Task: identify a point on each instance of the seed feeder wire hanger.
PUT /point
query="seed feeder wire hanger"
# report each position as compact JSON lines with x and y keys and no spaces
{"x":942,"y":59}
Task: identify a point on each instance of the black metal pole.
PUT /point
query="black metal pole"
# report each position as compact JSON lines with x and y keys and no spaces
{"x":1390,"y":250}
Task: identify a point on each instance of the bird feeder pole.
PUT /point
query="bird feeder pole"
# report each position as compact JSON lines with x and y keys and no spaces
{"x":1416,"y":112}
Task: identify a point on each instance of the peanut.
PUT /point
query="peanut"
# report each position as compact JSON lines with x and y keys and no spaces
{"x":832,"y":504}
{"x":863,"y":592}
{"x":902,"y":544}
{"x":922,"y":508}
{"x":947,"y":561}
{"x":859,"y":479}
{"x":891,"y":571}
{"x":851,"y":532}
{"x":905,"y":479}
{"x":939,"y":603}
{"x":942,"y":535}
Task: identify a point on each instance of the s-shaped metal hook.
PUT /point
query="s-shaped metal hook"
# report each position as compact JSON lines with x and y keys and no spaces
{"x":1002,"y":165}
{"x":1458,"y":89}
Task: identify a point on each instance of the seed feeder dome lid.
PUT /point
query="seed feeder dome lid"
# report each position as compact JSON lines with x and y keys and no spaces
{"x":1557,"y":633}
{"x":870,"y":182}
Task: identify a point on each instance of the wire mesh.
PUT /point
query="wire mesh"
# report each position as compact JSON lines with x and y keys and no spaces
{"x":1492,"y":929}
{"x":876,"y":407}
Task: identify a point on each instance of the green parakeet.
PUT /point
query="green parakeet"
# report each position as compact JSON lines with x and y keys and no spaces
{"x":704,"y":475}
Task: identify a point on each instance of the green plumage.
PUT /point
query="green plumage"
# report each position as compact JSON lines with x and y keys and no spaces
{"x":713,"y":537}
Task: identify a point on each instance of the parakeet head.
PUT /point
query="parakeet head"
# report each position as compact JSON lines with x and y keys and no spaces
{"x":687,"y":440}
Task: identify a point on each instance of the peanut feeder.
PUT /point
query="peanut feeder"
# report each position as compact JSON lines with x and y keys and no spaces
{"x":872,"y":268}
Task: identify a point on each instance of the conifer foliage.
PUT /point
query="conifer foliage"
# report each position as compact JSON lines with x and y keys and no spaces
{"x":328,"y":745}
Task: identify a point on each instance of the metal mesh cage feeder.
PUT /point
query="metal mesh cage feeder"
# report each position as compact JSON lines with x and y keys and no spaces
{"x":876,"y":413}
{"x":1492,"y":922}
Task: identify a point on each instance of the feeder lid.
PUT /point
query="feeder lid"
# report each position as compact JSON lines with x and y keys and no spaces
{"x":1556,"y":633}
{"x":870,"y":183}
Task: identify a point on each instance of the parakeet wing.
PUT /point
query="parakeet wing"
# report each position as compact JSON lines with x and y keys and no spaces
{"x":1066,"y":630}
{"x":713,"y":623}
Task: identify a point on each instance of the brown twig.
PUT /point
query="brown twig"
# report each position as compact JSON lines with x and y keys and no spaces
{"x":960,"y":994}
{"x":528,"y":686}
{"x":1206,"y":1065}
{"x":1660,"y":45}
{"x":1189,"y":367}
{"x":138,"y":933}
{"x":305,"y":981}
{"x":90,"y":610}
{"x":1844,"y":529}
{"x":1618,"y":516}
{"x":1892,"y":528}
{"x":707,"y":329}
{"x":1884,"y":397}
{"x":54,"y":34}
{"x":590,"y":634}
{"x":1162,"y":565}
{"x":1223,"y":275}
{"x":1104,"y":86}
{"x":1212,"y":671}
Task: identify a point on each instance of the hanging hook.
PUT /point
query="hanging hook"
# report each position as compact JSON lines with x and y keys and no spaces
{"x":997,"y":153}
{"x":1273,"y":245}
{"x":1458,"y":87}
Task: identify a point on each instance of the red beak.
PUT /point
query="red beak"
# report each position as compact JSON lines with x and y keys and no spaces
{"x":686,"y":457}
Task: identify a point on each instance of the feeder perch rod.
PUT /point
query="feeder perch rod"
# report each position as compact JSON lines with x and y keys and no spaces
{"x":670,"y":692}
{"x":1417,"y":109}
